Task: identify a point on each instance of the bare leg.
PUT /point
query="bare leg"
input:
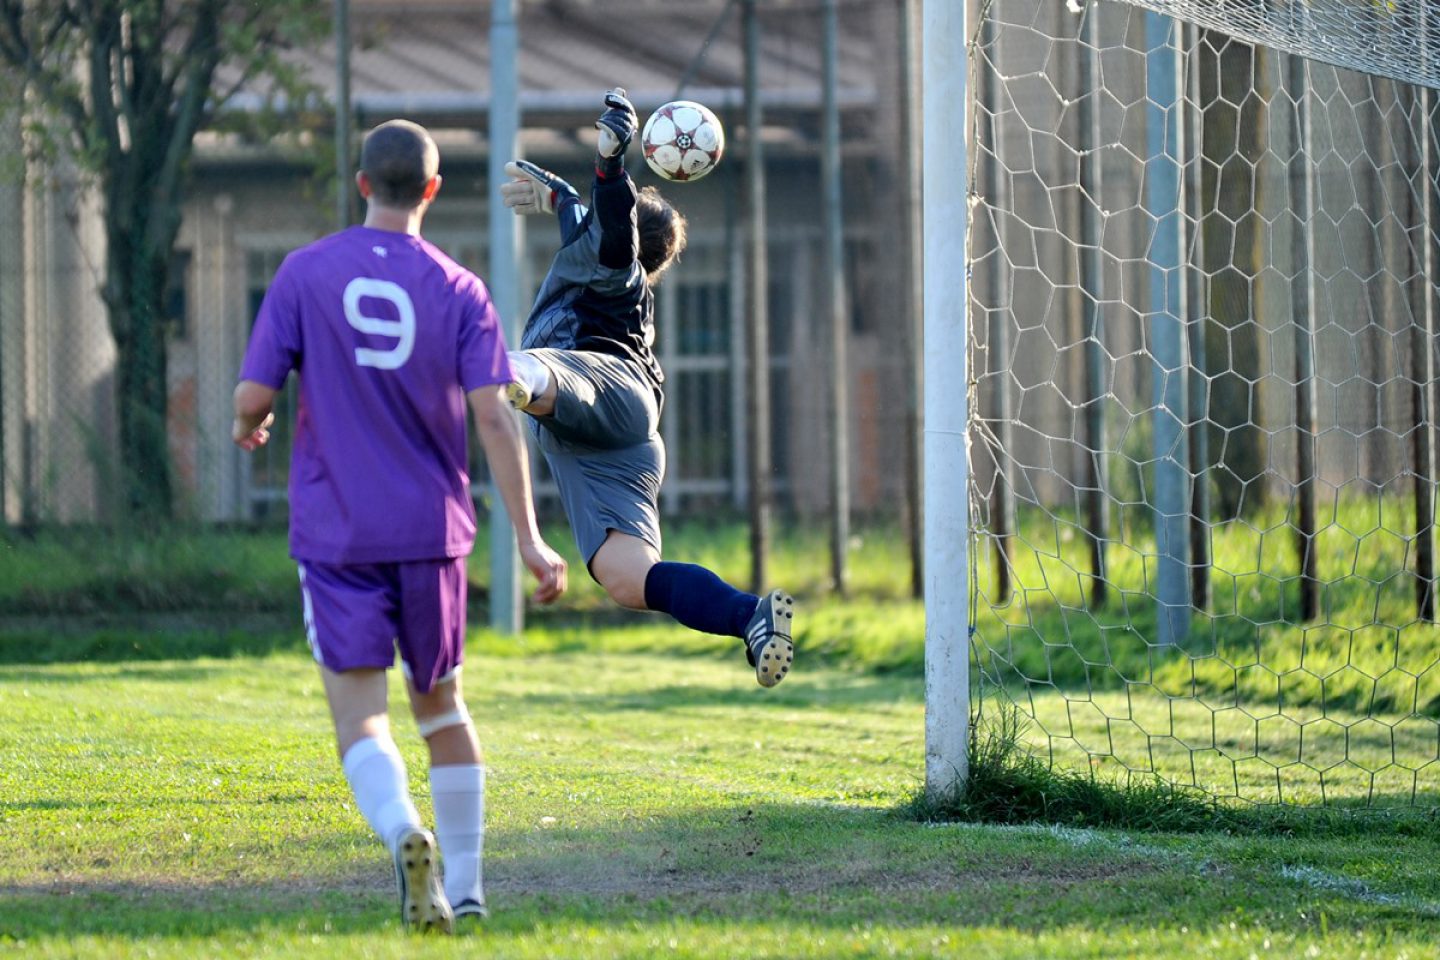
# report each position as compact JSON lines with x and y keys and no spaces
{"x":453,"y":743}
{"x":621,"y":565}
{"x":357,"y":705}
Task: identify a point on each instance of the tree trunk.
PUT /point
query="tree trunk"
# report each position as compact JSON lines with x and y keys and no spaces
{"x":137,"y":270}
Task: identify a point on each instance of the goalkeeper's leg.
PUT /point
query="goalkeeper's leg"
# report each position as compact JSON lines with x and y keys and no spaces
{"x":634,"y":576}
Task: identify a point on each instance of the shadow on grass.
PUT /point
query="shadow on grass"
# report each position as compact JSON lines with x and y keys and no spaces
{"x":859,"y":690}
{"x":770,"y":864}
{"x":44,"y":642}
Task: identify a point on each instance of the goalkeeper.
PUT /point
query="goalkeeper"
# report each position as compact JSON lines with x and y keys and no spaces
{"x":589,"y":379}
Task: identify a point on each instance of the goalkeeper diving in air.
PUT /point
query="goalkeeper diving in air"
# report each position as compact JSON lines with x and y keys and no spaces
{"x":589,"y":379}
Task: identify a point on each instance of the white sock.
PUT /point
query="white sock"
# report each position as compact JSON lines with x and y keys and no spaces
{"x":531,"y":372}
{"x":458,"y":792}
{"x":377,"y":777}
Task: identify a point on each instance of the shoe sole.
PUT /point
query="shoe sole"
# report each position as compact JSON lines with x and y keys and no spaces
{"x":423,"y":906}
{"x":517,"y":396}
{"x":776,"y":657}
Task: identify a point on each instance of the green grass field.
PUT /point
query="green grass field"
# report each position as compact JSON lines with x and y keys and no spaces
{"x":195,"y":809}
{"x":168,"y":786}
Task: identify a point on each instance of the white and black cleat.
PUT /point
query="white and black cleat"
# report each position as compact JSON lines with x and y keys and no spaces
{"x":517,"y":395}
{"x":423,"y":907}
{"x":769,"y":643}
{"x":470,"y":907}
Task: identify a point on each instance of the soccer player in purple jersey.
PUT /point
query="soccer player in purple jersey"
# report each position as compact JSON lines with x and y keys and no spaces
{"x":389,"y":337}
{"x":589,"y":379}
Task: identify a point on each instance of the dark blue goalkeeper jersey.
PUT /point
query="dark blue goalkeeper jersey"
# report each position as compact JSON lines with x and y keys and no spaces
{"x":595,"y":296}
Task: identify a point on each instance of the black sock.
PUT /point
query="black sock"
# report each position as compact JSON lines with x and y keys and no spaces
{"x":698,"y":599}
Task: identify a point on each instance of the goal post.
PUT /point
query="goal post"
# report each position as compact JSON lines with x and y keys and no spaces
{"x":1179,"y":397}
{"x":945,"y":74}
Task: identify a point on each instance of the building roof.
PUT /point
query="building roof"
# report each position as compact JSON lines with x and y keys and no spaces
{"x":431,"y":61}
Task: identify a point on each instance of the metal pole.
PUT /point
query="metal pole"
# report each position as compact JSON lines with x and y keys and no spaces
{"x":1097,"y":503}
{"x":1164,"y":200}
{"x":831,"y":176}
{"x":997,"y":347}
{"x":1422,"y":358}
{"x":913,"y":294}
{"x":1303,"y":245}
{"x":758,"y":310}
{"x":507,"y":607}
{"x":947,"y":468}
{"x":344,"y":172}
{"x":1197,"y":318}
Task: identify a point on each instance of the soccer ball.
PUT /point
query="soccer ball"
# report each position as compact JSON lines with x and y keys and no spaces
{"x":683,"y":140}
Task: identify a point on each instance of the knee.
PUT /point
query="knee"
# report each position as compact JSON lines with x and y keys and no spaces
{"x":441,"y":709}
{"x":627,"y":590}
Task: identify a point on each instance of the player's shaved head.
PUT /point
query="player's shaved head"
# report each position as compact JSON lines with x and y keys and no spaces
{"x":399,"y":158}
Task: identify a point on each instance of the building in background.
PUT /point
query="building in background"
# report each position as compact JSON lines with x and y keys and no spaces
{"x":250,"y":203}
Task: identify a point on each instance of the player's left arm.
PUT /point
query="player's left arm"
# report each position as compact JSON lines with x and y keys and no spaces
{"x":613,"y":196}
{"x":533,"y":189}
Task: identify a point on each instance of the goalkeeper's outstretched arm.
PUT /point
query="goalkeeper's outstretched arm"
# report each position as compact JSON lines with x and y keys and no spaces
{"x":613,"y":196}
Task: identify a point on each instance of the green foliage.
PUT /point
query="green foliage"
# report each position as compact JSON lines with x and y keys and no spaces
{"x":1008,"y":784}
{"x":154,"y":74}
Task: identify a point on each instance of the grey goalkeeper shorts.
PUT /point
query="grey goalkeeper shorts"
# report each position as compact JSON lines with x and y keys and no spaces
{"x":603,"y":446}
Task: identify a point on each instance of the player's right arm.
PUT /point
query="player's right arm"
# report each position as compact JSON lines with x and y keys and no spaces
{"x":274,"y":351}
{"x":254,"y":413}
{"x":504,"y":445}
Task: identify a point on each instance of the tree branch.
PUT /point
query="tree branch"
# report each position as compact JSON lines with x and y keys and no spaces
{"x":20,"y":53}
{"x":105,"y":37}
{"x":202,"y":56}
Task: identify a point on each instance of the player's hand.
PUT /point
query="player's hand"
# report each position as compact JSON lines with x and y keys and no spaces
{"x":534,"y":189}
{"x":548,"y":567}
{"x":248,"y":438}
{"x":617,"y":125}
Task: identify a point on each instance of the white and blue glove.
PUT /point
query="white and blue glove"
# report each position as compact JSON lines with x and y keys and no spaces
{"x":533,"y":189}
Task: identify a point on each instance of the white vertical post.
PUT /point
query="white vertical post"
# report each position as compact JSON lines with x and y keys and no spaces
{"x":831,"y":175}
{"x":947,"y":470}
{"x":507,"y":608}
{"x":1164,"y":202}
{"x":344,"y":174}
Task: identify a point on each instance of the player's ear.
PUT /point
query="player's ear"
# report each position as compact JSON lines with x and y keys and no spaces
{"x":362,"y":182}
{"x":431,"y":188}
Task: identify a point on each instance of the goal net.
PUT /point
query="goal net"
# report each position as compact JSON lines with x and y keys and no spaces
{"x":1202,"y":335}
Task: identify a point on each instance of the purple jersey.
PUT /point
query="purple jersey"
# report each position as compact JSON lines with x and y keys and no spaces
{"x":388,"y":335}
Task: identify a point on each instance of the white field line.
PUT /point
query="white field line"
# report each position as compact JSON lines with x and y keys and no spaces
{"x":1358,"y":889}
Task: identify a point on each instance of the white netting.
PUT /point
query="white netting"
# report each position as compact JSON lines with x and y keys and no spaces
{"x":1202,"y":335}
{"x":1390,"y":38}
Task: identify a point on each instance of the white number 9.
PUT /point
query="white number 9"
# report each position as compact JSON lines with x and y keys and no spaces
{"x":403,"y":329}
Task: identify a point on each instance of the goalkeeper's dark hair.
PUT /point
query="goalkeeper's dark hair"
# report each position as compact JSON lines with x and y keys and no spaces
{"x":399,"y":158}
{"x":662,"y":233}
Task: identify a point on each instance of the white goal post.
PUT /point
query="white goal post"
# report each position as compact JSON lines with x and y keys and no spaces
{"x":946,"y":464}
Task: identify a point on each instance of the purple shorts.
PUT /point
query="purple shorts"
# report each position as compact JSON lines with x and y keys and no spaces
{"x":357,"y":614}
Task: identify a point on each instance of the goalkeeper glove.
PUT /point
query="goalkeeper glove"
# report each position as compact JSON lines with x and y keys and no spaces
{"x":534,"y":189}
{"x":617,"y":126}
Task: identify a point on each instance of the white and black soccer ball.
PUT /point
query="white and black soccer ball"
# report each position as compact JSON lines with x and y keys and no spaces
{"x":683,"y":140}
